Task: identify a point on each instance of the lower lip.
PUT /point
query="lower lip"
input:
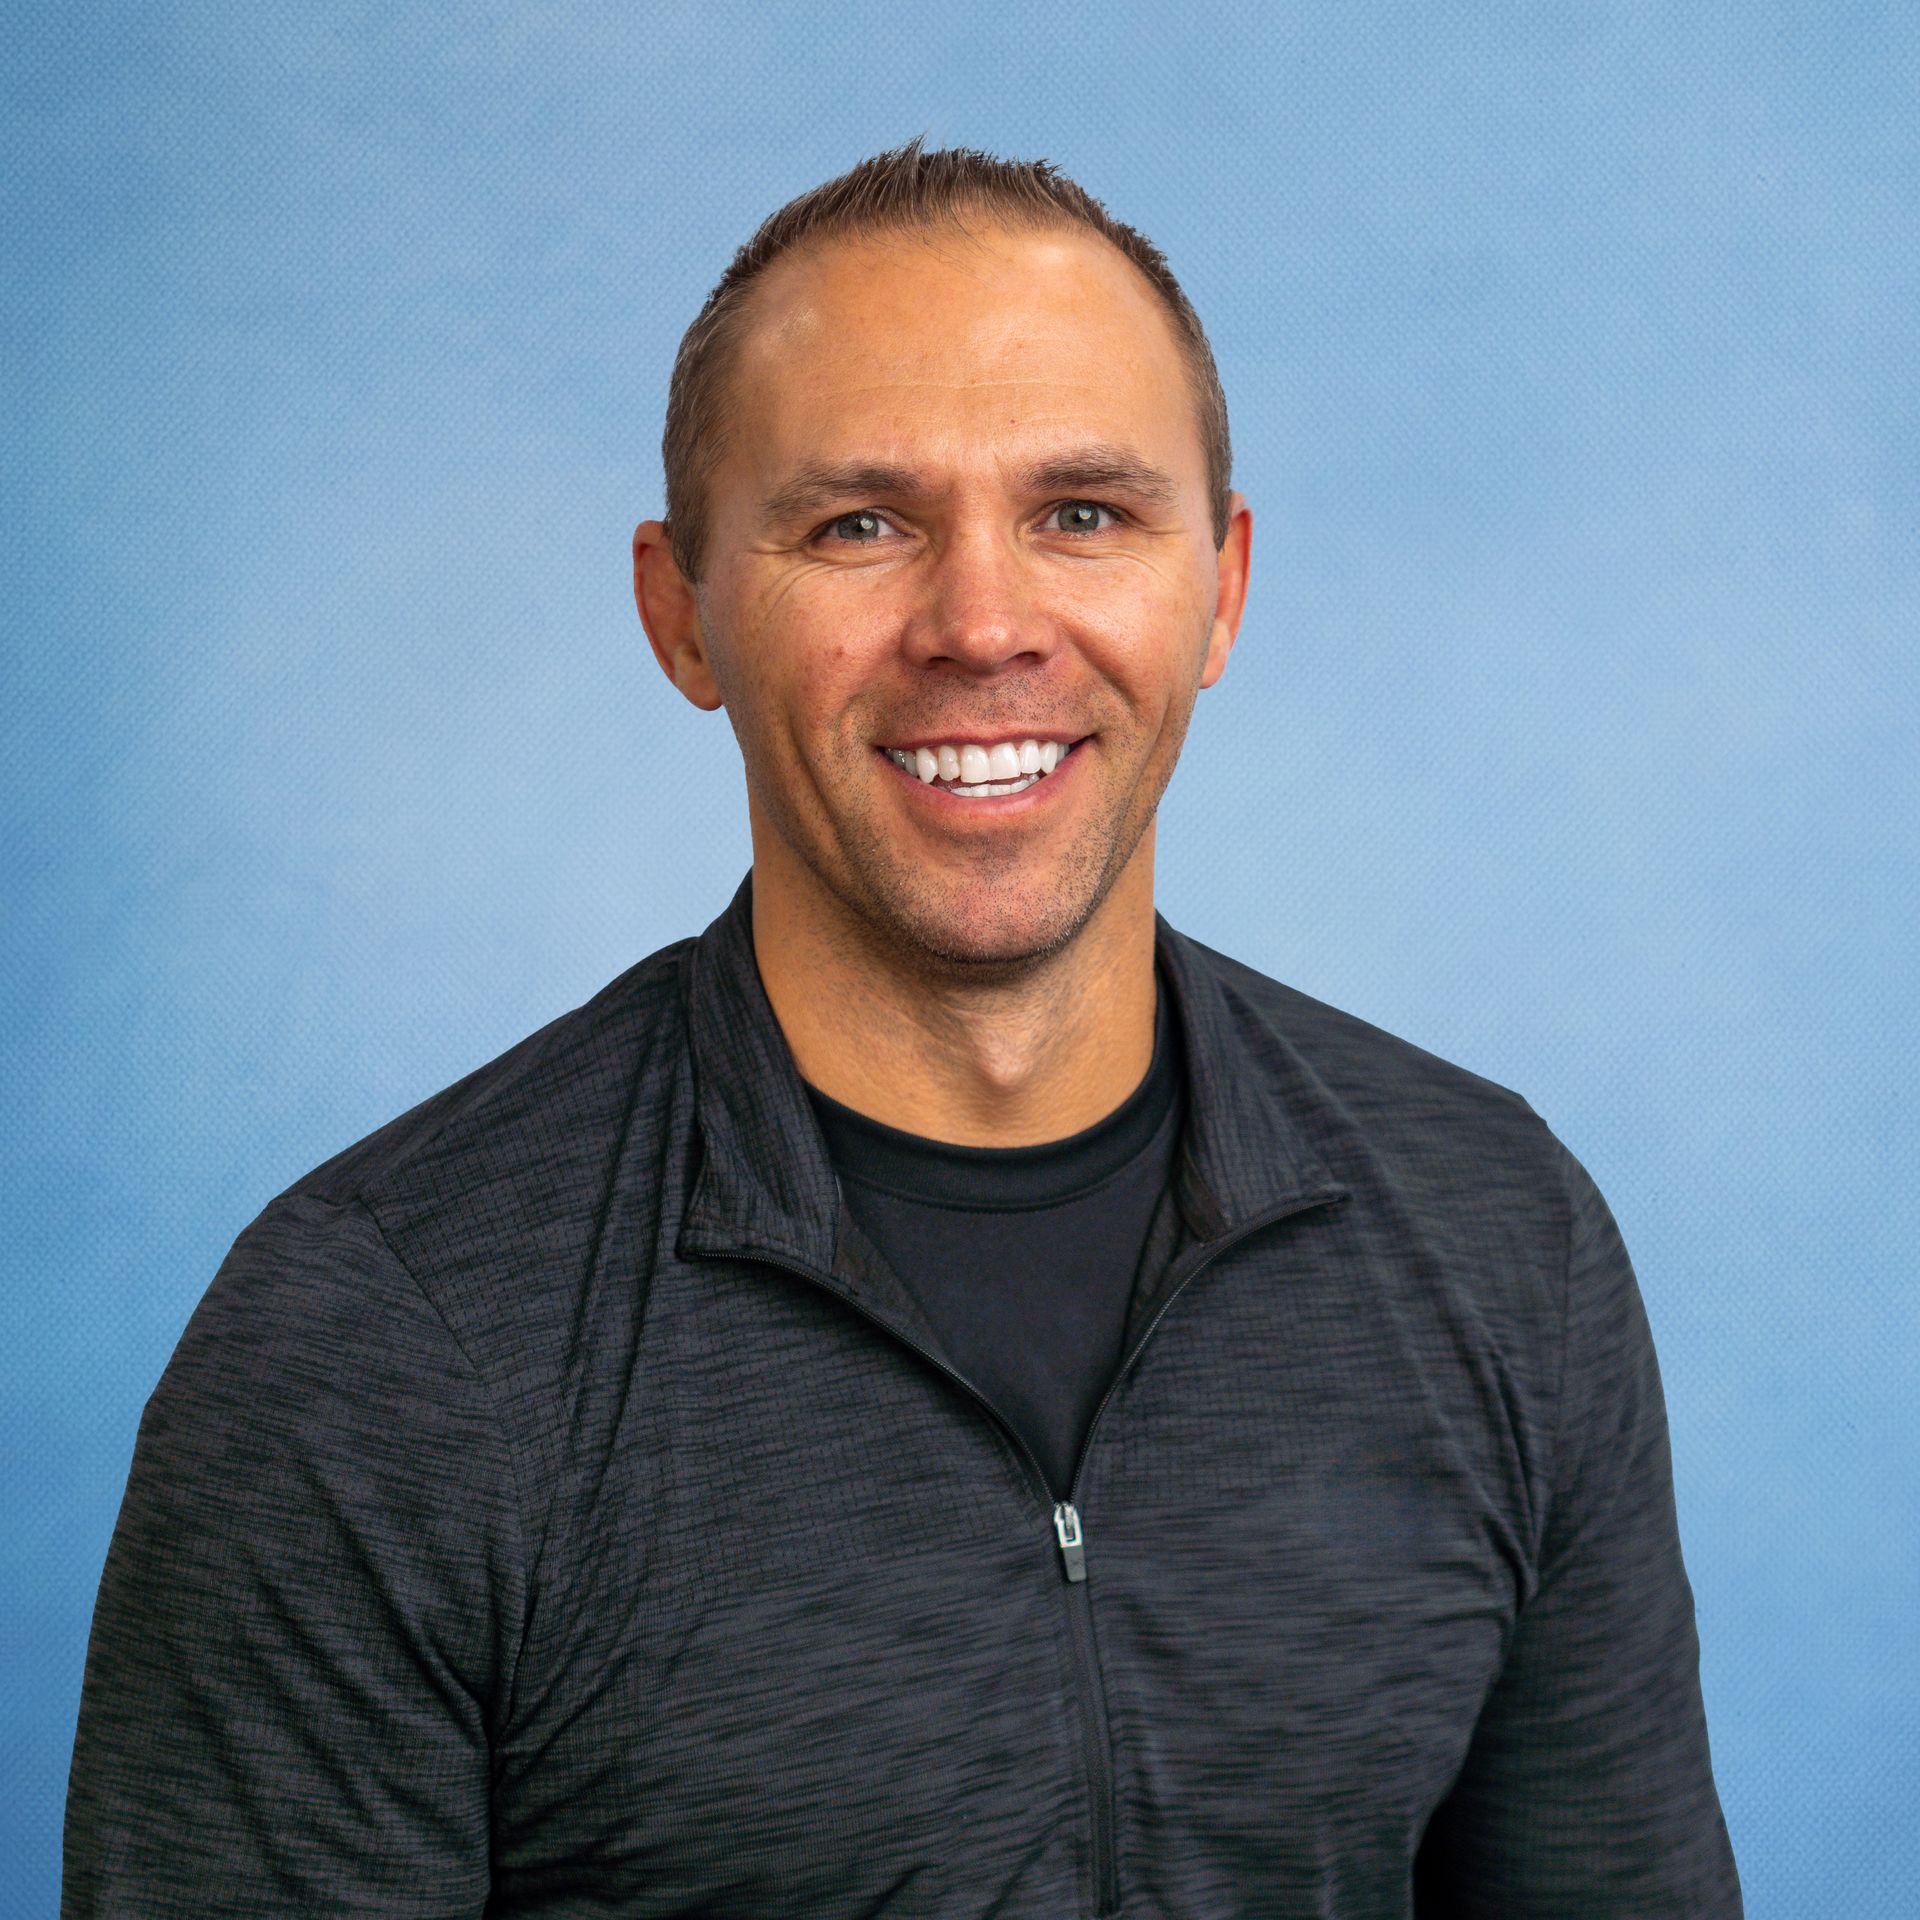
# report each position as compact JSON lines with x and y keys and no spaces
{"x":1000,"y":806}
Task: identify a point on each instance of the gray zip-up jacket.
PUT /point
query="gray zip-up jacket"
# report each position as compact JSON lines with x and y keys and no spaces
{"x":553,"y":1508}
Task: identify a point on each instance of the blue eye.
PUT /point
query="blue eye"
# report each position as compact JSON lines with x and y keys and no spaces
{"x":1079,"y":516}
{"x":859,"y":527}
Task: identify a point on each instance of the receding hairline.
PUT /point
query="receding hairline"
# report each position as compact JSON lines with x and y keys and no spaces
{"x":955,"y":197}
{"x":975,"y":229}
{"x":975,"y":222}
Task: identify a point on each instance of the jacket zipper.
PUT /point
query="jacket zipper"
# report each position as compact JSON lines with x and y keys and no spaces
{"x":1069,"y":1531}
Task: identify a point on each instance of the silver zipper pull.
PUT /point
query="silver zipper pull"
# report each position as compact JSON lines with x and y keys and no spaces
{"x":1066,"y":1524}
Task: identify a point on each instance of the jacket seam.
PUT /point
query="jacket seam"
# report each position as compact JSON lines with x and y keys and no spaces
{"x":1555,"y":1442}
{"x":502,"y":1442}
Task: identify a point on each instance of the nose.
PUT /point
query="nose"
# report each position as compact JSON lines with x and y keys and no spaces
{"x":980,"y":611}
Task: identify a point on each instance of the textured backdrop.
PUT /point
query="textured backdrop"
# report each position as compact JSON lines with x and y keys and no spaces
{"x":1572,"y":731}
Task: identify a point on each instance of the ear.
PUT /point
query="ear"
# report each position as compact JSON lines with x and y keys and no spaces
{"x":1231,"y":588}
{"x":671,"y":616}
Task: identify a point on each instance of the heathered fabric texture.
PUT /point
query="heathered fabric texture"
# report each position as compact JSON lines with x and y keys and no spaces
{"x":1023,"y":1259}
{"x":506,"y":1534}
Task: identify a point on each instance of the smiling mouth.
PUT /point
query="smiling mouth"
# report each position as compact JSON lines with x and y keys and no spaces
{"x":982,"y":773}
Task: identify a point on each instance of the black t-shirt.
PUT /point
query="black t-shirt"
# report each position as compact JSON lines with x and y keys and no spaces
{"x":1023,"y":1258}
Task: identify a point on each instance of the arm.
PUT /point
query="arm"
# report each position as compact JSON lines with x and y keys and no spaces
{"x":306,"y":1625}
{"x":1588,"y":1787}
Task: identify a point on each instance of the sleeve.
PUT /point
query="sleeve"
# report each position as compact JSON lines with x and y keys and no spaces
{"x":1587,"y":1789}
{"x":306,"y":1624}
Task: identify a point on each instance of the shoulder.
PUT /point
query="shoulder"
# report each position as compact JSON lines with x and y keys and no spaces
{"x":311,"y":1355}
{"x":484,"y":1202}
{"x":557,"y":1088}
{"x":1374,"y":1071}
{"x":1406,"y":1125}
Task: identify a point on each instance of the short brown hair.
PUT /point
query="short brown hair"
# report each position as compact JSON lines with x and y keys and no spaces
{"x":904,"y":190}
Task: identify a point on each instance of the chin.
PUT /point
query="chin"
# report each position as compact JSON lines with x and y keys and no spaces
{"x":988,"y":928}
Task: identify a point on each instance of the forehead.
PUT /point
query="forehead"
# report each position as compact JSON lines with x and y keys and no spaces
{"x":958,"y":346}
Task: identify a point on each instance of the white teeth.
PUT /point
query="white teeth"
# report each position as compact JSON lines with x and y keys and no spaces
{"x":987,"y":790}
{"x":977,"y":772}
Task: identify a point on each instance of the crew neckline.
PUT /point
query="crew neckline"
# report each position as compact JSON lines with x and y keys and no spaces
{"x":912,"y":1166}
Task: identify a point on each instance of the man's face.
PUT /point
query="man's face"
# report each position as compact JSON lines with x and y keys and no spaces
{"x":963,"y":508}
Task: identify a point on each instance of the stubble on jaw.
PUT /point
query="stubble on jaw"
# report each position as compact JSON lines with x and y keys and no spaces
{"x":880,"y":907}
{"x":911,"y":920}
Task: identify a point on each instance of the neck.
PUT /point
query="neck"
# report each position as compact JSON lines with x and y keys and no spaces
{"x":1012,"y":1062}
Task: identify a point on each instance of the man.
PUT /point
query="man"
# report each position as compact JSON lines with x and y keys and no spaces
{"x":941,"y":1396}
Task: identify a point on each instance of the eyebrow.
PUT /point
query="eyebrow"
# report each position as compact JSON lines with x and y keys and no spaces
{"x":1094,"y":469}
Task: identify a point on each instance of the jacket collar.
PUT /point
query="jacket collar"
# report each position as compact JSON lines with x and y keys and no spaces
{"x":766,"y":1185}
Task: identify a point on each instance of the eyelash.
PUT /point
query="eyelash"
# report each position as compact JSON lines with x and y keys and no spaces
{"x":827,"y":527}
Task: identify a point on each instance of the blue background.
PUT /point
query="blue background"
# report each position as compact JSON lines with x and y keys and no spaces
{"x":1572,"y":731}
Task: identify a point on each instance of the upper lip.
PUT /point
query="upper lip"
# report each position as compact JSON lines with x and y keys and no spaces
{"x":1041,"y":735}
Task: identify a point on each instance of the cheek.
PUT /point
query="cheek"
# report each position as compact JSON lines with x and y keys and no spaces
{"x":808,"y":657}
{"x":841,"y":627}
{"x":1145,"y":631}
